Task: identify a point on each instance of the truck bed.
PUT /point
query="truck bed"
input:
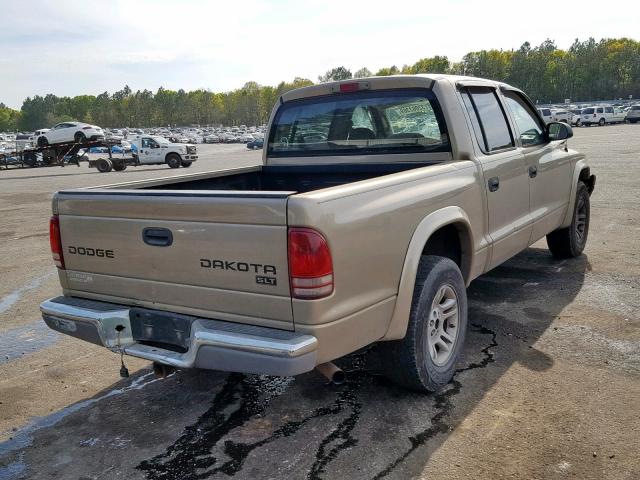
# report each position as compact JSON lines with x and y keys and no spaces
{"x":296,"y":179}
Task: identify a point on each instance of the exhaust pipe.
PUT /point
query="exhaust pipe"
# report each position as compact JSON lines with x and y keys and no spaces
{"x":334,"y":374}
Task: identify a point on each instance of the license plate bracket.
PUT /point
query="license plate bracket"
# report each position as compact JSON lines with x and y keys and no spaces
{"x":164,"y":329}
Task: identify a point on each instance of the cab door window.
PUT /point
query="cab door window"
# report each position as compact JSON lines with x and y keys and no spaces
{"x":529,"y":126}
{"x":489,"y":120}
{"x":149,"y":143}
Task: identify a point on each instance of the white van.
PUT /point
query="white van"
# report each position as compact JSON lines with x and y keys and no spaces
{"x":601,"y":115}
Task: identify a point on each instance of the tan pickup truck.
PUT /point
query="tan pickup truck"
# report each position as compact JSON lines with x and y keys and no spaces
{"x":377,"y":202}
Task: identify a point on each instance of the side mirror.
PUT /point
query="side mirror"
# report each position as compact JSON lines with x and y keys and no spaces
{"x":559,"y":131}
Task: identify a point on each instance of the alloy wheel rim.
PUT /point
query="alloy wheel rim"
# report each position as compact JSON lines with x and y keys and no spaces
{"x":442,"y":325}
{"x":581,"y":220}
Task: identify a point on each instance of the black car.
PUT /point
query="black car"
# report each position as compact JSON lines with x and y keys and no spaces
{"x":257,"y":143}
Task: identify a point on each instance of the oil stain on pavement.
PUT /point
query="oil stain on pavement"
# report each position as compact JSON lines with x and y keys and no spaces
{"x":192,"y":455}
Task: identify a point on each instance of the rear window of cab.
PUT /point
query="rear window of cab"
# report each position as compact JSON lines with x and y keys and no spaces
{"x":360,"y":123}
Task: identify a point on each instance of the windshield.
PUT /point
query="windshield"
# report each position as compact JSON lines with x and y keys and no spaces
{"x":160,"y":139}
{"x":370,"y":122}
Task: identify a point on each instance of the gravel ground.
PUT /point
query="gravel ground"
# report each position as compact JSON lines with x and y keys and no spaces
{"x":548,"y":388}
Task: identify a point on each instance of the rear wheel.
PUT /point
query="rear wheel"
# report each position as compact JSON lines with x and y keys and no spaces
{"x":570,"y":241}
{"x":104,"y":165}
{"x":173,"y":160}
{"x":79,"y":137}
{"x":119,"y":166}
{"x":425,"y":359}
{"x":30,"y":159}
{"x":601,"y":122}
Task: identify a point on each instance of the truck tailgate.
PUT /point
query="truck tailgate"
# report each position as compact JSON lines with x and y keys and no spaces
{"x":220,"y":254}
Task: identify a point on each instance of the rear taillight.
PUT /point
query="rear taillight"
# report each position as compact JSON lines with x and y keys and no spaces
{"x":56,"y":241}
{"x":310,"y":264}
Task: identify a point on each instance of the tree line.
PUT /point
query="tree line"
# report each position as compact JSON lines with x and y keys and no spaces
{"x":588,"y":70}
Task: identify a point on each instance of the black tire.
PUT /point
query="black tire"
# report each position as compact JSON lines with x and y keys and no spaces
{"x":173,"y":160}
{"x":408,"y":362}
{"x":602,"y":122}
{"x":30,"y":159}
{"x":42,"y":141}
{"x":79,"y":137}
{"x":570,"y":241}
{"x":119,"y":166}
{"x":185,"y":164}
{"x":104,"y":165}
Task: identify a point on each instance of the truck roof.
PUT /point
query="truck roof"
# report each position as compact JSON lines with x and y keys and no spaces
{"x":423,"y":80}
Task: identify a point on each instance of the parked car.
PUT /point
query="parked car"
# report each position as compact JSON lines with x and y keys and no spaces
{"x":564,"y":116}
{"x":68,"y":132}
{"x":546,"y":114}
{"x":257,"y":143}
{"x":23,"y":141}
{"x":616,"y":114}
{"x":633,"y":114}
{"x":333,"y":249}
{"x":575,"y":116}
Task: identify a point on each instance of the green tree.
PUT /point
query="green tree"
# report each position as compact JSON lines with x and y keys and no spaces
{"x":362,"y":73}
{"x":386,"y":71}
{"x":338,"y":73}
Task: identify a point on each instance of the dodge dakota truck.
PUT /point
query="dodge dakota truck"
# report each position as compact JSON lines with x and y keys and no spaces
{"x":377,"y":202}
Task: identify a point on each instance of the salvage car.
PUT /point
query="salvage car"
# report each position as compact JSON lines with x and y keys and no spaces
{"x":633,"y":114}
{"x":377,"y":203}
{"x":68,"y":132}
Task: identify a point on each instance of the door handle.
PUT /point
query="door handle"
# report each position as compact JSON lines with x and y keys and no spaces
{"x":533,"y":171}
{"x":157,"y":237}
{"x":494,"y":184}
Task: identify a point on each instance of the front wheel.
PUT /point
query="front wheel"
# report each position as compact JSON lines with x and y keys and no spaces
{"x":42,"y":141}
{"x":570,"y":241}
{"x":425,"y":359}
{"x":185,"y":164}
{"x":173,"y":160}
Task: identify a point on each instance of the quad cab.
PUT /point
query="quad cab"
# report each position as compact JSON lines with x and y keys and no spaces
{"x":378,"y":201}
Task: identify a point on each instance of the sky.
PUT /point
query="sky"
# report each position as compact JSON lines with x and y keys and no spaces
{"x":69,"y":47}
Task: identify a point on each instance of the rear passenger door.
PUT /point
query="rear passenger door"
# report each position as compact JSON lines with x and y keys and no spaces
{"x":505,"y":174}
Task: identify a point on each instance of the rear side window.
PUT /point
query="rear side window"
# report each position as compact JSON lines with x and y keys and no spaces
{"x":365,"y":122}
{"x":588,"y":111}
{"x":488,"y":117}
{"x":599,"y":110}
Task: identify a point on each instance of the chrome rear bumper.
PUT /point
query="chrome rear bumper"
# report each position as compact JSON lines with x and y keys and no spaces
{"x":213,"y":344}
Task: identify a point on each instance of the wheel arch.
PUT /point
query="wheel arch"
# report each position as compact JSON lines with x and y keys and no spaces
{"x":446,"y":232}
{"x":166,"y":157}
{"x":581,"y":172}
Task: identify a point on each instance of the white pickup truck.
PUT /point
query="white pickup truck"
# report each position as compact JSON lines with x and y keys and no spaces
{"x":149,"y":150}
